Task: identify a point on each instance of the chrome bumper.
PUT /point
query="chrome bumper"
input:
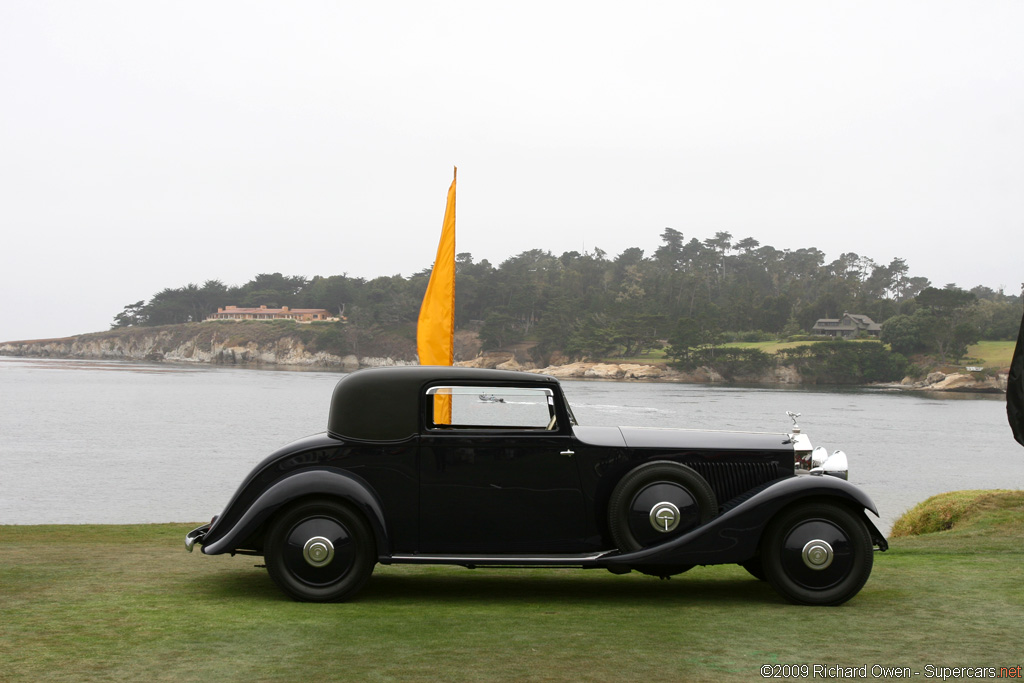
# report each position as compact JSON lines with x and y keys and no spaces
{"x":196,"y":536}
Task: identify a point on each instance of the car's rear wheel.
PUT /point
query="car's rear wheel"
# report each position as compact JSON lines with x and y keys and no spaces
{"x":320,"y":551}
{"x":655,"y":503}
{"x":817,"y":554}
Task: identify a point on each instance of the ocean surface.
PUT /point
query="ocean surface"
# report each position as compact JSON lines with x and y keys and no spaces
{"x":124,"y":443}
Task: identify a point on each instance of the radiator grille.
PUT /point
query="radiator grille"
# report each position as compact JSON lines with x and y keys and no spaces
{"x":730,"y":479}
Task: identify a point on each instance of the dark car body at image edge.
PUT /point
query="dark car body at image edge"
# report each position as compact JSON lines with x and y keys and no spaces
{"x":511,"y":480}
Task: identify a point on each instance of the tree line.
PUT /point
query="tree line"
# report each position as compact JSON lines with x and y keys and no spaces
{"x":691,"y":293}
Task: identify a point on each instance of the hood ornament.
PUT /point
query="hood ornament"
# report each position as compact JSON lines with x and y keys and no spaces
{"x":793,"y":416}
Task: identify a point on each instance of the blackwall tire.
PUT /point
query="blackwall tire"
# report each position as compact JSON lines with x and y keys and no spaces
{"x":817,"y":554}
{"x":633,"y":506}
{"x":320,"y":551}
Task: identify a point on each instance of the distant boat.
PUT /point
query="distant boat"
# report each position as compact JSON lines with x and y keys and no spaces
{"x":491,"y":398}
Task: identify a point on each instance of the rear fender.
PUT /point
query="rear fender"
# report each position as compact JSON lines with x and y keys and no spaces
{"x":734,"y":535}
{"x":331,"y":482}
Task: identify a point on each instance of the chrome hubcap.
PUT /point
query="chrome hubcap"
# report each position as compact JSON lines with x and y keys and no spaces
{"x":664,"y":517}
{"x":318,"y":551}
{"x":817,"y":554}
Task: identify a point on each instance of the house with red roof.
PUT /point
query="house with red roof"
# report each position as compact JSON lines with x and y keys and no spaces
{"x":299,"y":315}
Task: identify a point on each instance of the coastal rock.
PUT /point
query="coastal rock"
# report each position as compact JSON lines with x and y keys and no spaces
{"x":603,"y":371}
{"x":557,"y":359}
{"x":208,"y":345}
{"x":954,"y":381}
{"x":490,"y":361}
{"x":967,"y":383}
{"x":704,"y":375}
{"x":787,"y":374}
{"x":372,"y":362}
{"x":611,"y":371}
{"x":569,"y":371}
{"x":510,"y":364}
{"x":641,"y":372}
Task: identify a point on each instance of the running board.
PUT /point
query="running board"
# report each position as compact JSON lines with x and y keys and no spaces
{"x":530,"y":560}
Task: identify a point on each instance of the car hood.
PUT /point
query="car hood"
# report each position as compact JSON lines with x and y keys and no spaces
{"x":690,"y":439}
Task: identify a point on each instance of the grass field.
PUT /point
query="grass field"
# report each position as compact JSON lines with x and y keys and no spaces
{"x":89,"y":603}
{"x":992,"y":354}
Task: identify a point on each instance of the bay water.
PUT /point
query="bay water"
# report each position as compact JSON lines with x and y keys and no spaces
{"x":126,"y":443}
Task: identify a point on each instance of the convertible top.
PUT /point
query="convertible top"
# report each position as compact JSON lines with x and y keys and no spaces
{"x":384,"y":404}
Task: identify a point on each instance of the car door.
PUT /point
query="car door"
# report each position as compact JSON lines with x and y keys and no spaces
{"x":500,"y":476}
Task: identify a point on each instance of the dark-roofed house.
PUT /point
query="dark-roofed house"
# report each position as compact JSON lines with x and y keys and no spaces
{"x":849,"y":326}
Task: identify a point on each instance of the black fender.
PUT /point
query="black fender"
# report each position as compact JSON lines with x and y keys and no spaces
{"x":324,"y":481}
{"x":734,"y":535}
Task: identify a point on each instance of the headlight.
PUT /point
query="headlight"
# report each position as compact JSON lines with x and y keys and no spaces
{"x":834,"y":465}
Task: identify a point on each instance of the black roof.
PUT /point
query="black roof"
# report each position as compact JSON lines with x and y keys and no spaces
{"x":383,"y":404}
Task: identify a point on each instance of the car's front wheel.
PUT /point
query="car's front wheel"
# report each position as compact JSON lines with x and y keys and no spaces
{"x":320,"y":551}
{"x":817,"y":554}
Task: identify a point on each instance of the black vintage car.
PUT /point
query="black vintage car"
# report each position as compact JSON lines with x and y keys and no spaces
{"x":489,"y":468}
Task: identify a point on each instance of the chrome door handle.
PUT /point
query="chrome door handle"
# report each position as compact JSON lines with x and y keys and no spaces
{"x":568,"y":453}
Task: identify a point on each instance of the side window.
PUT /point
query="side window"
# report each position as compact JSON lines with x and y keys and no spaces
{"x":487,"y":407}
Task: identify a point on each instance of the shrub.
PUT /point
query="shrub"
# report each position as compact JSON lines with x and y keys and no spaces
{"x":752,"y":336}
{"x":947,"y":511}
{"x":730,"y":362}
{"x":840,"y":362}
{"x":916,"y":371}
{"x":331,"y":338}
{"x":938,"y":513}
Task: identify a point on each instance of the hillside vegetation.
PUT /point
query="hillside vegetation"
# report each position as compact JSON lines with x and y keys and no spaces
{"x":687,"y":296}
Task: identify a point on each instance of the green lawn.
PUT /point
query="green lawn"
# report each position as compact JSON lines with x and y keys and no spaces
{"x":128,"y":603}
{"x":768,"y":347}
{"x":992,"y":354}
{"x":652,"y":357}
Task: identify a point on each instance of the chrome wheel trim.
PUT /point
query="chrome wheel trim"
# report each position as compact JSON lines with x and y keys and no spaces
{"x":664,"y":517}
{"x":672,"y":501}
{"x":305,"y":524}
{"x":817,"y":554}
{"x":318,"y":551}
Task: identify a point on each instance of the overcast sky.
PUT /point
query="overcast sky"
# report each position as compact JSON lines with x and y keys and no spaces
{"x":146,"y":145}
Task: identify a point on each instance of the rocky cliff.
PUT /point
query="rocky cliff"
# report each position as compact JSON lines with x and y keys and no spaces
{"x":256,"y":344}
{"x":628,"y":371}
{"x":217,"y":343}
{"x":782,"y":374}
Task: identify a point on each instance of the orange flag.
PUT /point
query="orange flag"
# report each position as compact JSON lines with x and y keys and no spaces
{"x":435,"y":331}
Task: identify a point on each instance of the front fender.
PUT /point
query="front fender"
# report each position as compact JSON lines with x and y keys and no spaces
{"x":326,"y":481}
{"x":734,"y":535}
